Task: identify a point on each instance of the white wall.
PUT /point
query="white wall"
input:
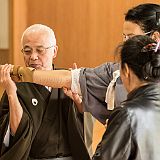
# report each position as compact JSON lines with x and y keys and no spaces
{"x":4,"y":24}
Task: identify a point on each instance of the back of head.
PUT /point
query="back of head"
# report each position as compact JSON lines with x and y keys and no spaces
{"x":40,"y":28}
{"x":147,"y":16}
{"x":142,"y":55}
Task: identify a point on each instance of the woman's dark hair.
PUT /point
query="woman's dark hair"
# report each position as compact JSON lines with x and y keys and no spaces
{"x":147,"y":16}
{"x":140,"y":56}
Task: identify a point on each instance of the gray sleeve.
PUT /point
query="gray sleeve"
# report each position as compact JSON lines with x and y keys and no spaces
{"x":94,"y":83}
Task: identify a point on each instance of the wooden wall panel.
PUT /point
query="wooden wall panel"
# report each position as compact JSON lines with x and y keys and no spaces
{"x":82,"y":28}
{"x":87,"y":31}
{"x":4,"y":56}
{"x":4,"y":11}
{"x":18,"y":22}
{"x":4,"y":53}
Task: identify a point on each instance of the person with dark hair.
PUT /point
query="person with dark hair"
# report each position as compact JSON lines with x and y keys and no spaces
{"x":133,"y":128}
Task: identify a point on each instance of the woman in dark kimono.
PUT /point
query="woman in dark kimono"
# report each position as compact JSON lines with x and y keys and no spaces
{"x":133,"y":128}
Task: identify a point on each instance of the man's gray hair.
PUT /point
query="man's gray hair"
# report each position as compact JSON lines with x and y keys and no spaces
{"x":40,"y":27}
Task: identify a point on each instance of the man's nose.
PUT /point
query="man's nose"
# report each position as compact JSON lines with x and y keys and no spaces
{"x":34,"y":55}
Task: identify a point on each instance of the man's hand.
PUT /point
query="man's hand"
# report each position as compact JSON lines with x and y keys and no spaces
{"x":15,"y":108}
{"x":5,"y":79}
{"x":22,"y":74}
{"x":74,"y":96}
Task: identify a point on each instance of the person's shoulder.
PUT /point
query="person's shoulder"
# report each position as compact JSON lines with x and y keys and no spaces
{"x":112,"y":65}
{"x":119,"y":113}
{"x":134,"y":109}
{"x":132,"y":105}
{"x":109,"y":67}
{"x":25,"y":87}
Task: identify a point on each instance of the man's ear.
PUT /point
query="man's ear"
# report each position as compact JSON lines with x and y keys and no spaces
{"x":55,"y":51}
{"x":156,"y":36}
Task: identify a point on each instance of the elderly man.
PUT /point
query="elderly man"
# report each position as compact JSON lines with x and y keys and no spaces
{"x":38,"y":122}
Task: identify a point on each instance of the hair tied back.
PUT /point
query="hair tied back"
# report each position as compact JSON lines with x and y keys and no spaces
{"x":149,"y":47}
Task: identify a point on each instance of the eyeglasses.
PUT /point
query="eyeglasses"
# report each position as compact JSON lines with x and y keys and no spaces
{"x":132,"y":35}
{"x":147,"y":33}
{"x":40,"y":50}
{"x":128,"y":36}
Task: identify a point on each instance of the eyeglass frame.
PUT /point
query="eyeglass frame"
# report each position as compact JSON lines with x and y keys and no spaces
{"x":31,"y":50}
{"x":128,"y":36}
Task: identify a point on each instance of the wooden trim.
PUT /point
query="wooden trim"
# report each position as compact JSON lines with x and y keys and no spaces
{"x":10,"y":31}
{"x":18,"y":23}
{"x":4,"y":56}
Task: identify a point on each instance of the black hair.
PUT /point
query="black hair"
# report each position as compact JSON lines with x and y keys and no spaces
{"x":140,"y":56}
{"x":147,"y":16}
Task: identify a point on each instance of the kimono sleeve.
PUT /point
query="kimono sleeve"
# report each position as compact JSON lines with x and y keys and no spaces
{"x":117,"y":139}
{"x":19,"y":143}
{"x":93,"y":84}
{"x":4,"y":120}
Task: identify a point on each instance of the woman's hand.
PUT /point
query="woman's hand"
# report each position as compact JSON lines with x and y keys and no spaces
{"x":74,"y":96}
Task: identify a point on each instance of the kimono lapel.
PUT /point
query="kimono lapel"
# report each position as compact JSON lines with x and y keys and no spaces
{"x":43,"y":91}
{"x":53,"y":104}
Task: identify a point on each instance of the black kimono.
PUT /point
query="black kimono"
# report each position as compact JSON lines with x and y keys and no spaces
{"x":50,"y":126}
{"x":133,"y":130}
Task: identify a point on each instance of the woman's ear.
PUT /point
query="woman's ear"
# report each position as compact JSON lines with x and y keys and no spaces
{"x":156,"y":36}
{"x":126,"y":70}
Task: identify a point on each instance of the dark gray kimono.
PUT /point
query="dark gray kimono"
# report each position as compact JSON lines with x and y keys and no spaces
{"x":50,"y":126}
{"x":94,"y":83}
